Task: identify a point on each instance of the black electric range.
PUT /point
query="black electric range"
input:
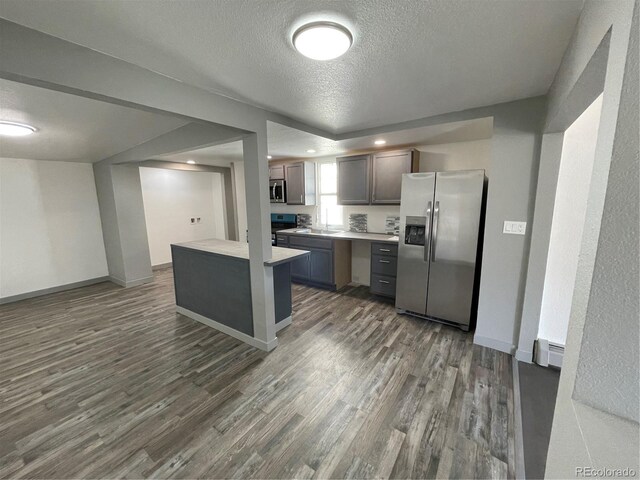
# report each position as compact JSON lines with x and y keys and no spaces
{"x":282,"y":221}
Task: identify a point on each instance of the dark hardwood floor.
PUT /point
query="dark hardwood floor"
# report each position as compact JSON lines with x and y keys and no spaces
{"x":105,"y":382}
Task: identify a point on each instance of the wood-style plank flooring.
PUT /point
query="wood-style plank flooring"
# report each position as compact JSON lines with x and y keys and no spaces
{"x":105,"y":382}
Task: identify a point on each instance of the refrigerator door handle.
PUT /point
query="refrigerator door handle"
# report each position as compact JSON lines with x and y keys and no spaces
{"x":436,"y":214}
{"x":427,"y":232}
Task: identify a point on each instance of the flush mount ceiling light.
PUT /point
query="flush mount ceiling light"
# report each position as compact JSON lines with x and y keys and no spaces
{"x":13,"y":129}
{"x":311,"y":150}
{"x":269,"y":157}
{"x":191,"y":162}
{"x":322,"y":40}
{"x":380,"y":142}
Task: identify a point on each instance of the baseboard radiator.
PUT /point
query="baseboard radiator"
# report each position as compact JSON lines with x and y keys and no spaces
{"x":548,"y":353}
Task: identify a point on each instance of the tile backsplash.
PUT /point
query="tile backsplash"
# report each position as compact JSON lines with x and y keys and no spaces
{"x":376,"y":214}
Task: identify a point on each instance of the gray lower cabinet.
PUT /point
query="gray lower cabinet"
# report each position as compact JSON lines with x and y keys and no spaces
{"x":387,"y":169}
{"x":300,"y":269}
{"x":384,"y":268}
{"x":282,"y":240}
{"x":300,"y":180}
{"x":327,"y":266}
{"x":353,"y":179}
{"x":321,"y":266}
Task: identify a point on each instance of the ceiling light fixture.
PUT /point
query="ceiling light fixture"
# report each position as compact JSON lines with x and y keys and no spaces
{"x":269,"y":157}
{"x":311,"y":150}
{"x":322,"y":40}
{"x":13,"y":129}
{"x":191,"y":162}
{"x":380,"y":142}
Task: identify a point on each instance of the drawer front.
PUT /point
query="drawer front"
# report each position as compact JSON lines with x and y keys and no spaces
{"x":383,"y":285}
{"x":283,"y":240}
{"x":389,"y":249}
{"x":307,"y":242}
{"x":384,"y":265}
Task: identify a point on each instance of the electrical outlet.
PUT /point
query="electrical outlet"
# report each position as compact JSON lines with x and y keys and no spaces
{"x":193,"y":220}
{"x":514,"y":228}
{"x":198,"y":219}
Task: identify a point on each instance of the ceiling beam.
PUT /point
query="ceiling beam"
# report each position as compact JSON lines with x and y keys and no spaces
{"x":183,"y":139}
{"x":35,"y":58}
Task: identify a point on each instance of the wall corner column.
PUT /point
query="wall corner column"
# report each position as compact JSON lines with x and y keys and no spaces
{"x":123,"y":223}
{"x":258,"y":223}
{"x":550,"y":157}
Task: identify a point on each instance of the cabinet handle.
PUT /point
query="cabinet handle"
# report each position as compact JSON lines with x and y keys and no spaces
{"x":383,"y":261}
{"x":384,"y":250}
{"x":300,"y":198}
{"x":383,"y":281}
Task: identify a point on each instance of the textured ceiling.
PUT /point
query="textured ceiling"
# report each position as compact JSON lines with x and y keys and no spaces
{"x":285,"y":142}
{"x":410,"y":58}
{"x":72,"y":128}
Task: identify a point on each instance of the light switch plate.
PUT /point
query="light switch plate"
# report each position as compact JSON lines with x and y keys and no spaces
{"x":514,"y":228}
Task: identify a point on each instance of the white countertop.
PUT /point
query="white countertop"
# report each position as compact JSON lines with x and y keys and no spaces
{"x":341,"y":235}
{"x":231,"y":248}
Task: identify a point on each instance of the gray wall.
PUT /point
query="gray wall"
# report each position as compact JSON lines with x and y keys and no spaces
{"x":512,"y":182}
{"x":582,"y":435}
{"x":608,"y":367}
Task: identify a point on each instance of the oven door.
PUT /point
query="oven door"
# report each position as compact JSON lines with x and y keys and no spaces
{"x":276,"y":191}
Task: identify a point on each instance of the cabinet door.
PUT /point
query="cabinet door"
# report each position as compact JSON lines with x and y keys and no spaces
{"x":276,"y":172}
{"x":353,"y":180}
{"x":300,"y":268}
{"x":388,"y":168}
{"x":295,"y":184}
{"x":321,"y":266}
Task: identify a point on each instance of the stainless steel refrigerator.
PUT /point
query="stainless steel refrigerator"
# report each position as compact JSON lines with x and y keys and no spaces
{"x":440,"y":221}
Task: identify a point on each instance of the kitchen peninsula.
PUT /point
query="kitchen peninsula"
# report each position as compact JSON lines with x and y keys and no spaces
{"x":212,"y":285}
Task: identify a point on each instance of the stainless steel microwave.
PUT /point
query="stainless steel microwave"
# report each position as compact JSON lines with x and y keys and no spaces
{"x":277,"y":193}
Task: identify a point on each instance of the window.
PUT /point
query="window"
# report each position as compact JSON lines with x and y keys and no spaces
{"x":330,"y":211}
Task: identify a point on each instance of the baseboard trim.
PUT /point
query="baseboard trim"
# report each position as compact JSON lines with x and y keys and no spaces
{"x":47,"y":291}
{"x":283,"y":323}
{"x":162,"y":266}
{"x":243,"y":337}
{"x":524,"y":356}
{"x":131,"y":283}
{"x":494,"y":344}
{"x":517,"y":426}
{"x":549,"y":353}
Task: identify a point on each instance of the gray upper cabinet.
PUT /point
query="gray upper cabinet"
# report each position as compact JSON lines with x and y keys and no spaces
{"x":276,"y":172}
{"x":353,"y":179}
{"x":301,"y":183}
{"x":387,"y":169}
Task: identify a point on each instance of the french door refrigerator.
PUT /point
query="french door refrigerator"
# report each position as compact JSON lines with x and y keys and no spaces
{"x":440,"y":220}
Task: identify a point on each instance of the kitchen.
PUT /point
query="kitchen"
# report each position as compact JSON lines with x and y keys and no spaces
{"x":317,"y":239}
{"x":348,"y":210}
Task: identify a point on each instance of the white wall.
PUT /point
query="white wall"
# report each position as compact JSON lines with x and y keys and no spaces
{"x":50,"y":232}
{"x":171,"y":199}
{"x":574,"y":179}
{"x":433,"y":158}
